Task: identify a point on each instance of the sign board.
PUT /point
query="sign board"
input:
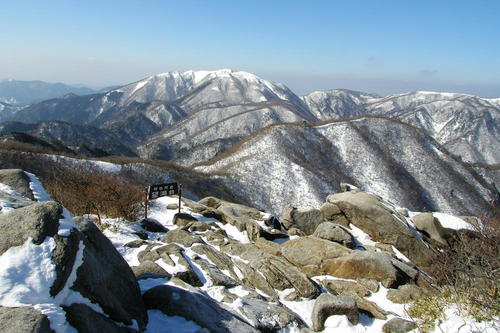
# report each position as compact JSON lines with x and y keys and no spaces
{"x":161,"y":190}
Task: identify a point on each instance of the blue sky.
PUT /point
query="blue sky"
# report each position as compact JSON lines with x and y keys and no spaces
{"x":374,"y":46}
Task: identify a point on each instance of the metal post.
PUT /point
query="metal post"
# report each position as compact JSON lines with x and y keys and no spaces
{"x":146,"y":203}
{"x":180,"y":193}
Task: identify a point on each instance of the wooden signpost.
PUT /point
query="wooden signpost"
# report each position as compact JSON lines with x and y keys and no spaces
{"x":161,"y":190}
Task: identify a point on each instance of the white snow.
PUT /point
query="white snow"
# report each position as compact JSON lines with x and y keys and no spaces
{"x":452,"y":222}
{"x":161,"y":323}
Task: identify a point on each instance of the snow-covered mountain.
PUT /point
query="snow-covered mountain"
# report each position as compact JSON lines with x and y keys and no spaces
{"x":301,"y":164}
{"x":190,"y":117}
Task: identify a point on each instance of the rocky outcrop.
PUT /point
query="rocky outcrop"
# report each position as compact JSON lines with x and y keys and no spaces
{"x":18,"y":181}
{"x":23,"y":320}
{"x":36,"y":221}
{"x":363,"y":264}
{"x":86,"y":320}
{"x":105,"y":278}
{"x":307,"y":220}
{"x":335,"y":233}
{"x":369,"y":213}
{"x":199,"y":308}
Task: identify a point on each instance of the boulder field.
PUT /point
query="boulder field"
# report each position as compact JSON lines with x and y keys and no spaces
{"x":222,"y":266}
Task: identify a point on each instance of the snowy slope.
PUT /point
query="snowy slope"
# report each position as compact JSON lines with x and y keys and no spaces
{"x":301,"y":165}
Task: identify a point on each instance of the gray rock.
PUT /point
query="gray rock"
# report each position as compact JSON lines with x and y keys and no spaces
{"x":141,"y":235}
{"x":15,"y":202}
{"x":398,"y":325}
{"x":364,"y":264}
{"x":86,"y":320}
{"x":23,"y":320}
{"x":310,"y":253}
{"x":406,"y":293}
{"x":254,"y":230}
{"x":152,"y":225}
{"x":200,"y":226}
{"x":63,"y":257}
{"x":183,"y":219}
{"x":327,"y":305}
{"x":149,"y":270}
{"x":181,"y":237}
{"x":282,"y":275}
{"x":218,"y":258}
{"x":330,"y":211}
{"x":307,"y":221}
{"x":335,"y":233}
{"x":268,"y":317}
{"x":431,"y":227}
{"x":135,"y":243}
{"x":369,"y":213}
{"x":18,"y":181}
{"x":105,"y":278}
{"x":343,"y":287}
{"x":215,"y":274}
{"x":199,"y":308}
{"x":37,"y":221}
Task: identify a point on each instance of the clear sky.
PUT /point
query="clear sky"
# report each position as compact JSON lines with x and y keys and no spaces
{"x":374,"y":46}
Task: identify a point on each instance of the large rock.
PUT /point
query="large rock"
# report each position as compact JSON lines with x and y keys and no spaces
{"x":105,"y":278}
{"x":183,"y":219}
{"x":86,"y":320}
{"x":282,"y":275}
{"x":152,"y":225}
{"x":406,"y":293}
{"x":335,"y":233}
{"x":218,"y":258}
{"x":268,"y":317}
{"x":430,"y":226}
{"x":197,"y":307}
{"x":37,"y":221}
{"x":216,"y":276}
{"x":327,"y":305}
{"x":344,"y":287}
{"x":18,"y":181}
{"x":399,"y":325}
{"x":181,"y":237}
{"x":369,"y":213}
{"x":307,"y":220}
{"x":236,"y":209}
{"x":310,"y":253}
{"x":149,"y":270}
{"x":364,"y":264}
{"x":63,"y":257}
{"x":23,"y":320}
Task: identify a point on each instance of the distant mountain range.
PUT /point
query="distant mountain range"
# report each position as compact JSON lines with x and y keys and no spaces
{"x":199,"y":118}
{"x":27,"y":92}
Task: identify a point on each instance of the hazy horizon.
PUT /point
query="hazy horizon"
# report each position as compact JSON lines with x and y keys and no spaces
{"x":382,"y":47}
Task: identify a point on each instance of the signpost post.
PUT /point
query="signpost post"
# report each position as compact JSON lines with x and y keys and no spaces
{"x":161,"y":190}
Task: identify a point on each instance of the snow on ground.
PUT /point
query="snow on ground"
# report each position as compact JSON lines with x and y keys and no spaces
{"x":5,"y":205}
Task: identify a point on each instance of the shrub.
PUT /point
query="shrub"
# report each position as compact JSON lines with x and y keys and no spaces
{"x":467,"y":276}
{"x":98,"y":193}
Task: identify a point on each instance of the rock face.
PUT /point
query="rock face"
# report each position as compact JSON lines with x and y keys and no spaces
{"x":86,"y":320}
{"x":334,"y":233}
{"x":23,"y":320}
{"x":37,"y":221}
{"x":363,"y":264}
{"x":327,"y":305}
{"x":367,"y":212}
{"x":106,"y":279}
{"x":307,"y":221}
{"x":202,"y":310}
{"x":427,"y":223}
{"x":18,"y":181}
